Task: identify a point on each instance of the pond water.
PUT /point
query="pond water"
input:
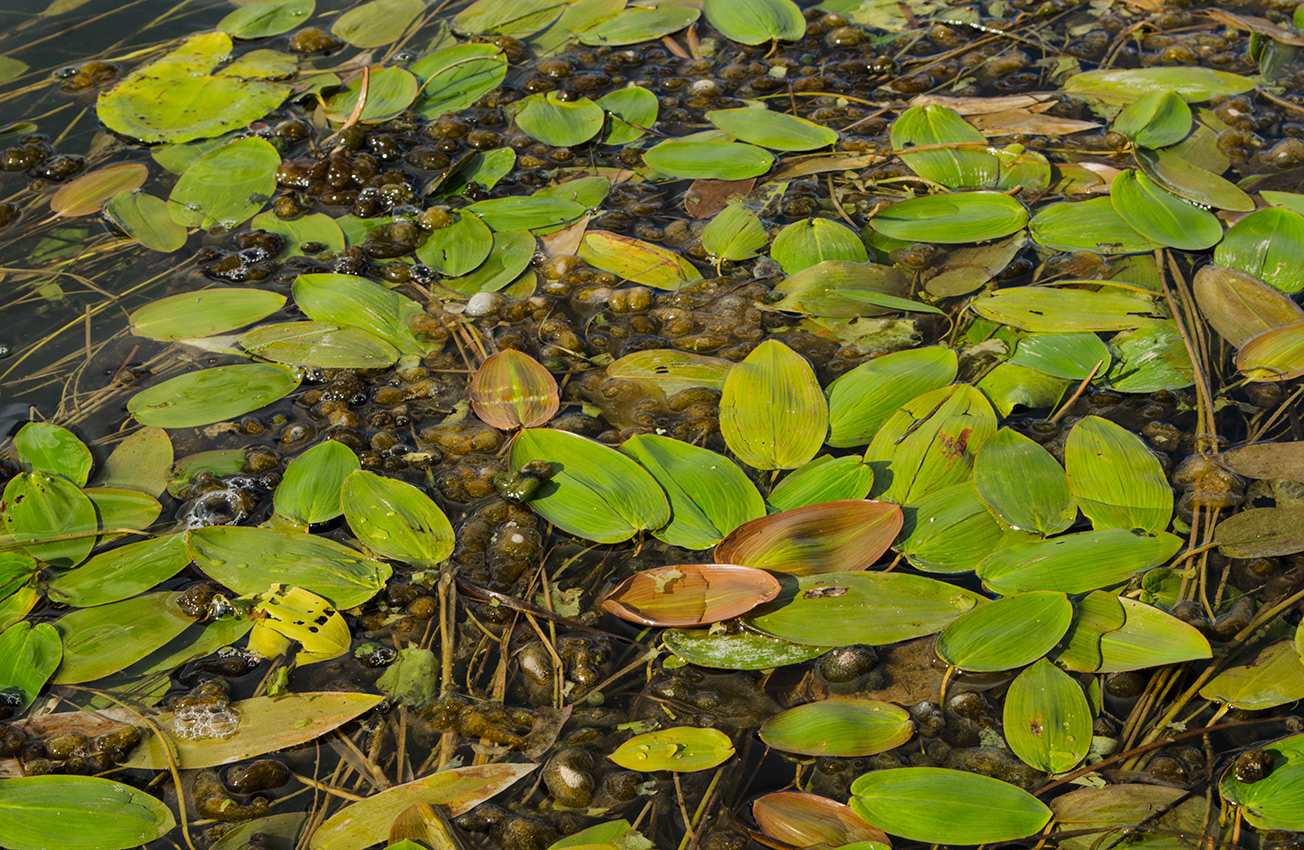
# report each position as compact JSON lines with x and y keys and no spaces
{"x":681,"y":424}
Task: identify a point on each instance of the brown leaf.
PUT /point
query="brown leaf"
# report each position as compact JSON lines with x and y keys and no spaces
{"x":690,"y":594}
{"x":798,"y":819}
{"x":829,"y":537}
{"x":1022,"y":121}
{"x":513,"y":390}
{"x":705,"y":198}
{"x":566,"y":241}
{"x":1240,"y":306}
{"x":1268,"y":460}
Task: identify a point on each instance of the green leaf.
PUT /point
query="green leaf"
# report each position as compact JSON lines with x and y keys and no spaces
{"x":120,"y":508}
{"x":774,"y":130}
{"x":743,"y":650}
{"x":458,"y":248}
{"x":1240,"y":306}
{"x":509,"y":257}
{"x":249,"y":560}
{"x":1023,"y":484}
{"x":313,"y":227}
{"x":377,"y":23}
{"x":1159,"y":215}
{"x":709,"y":160}
{"x":309,"y":491}
{"x":756,"y":21}
{"x":1075,"y":563}
{"x":639,"y":23}
{"x":941,"y":806}
{"x":104,"y":639}
{"x":264,"y":18}
{"x":595,"y":492}
{"x":1115,"y":477}
{"x":79,"y":813}
{"x":212,"y":395}
{"x":839,"y":609}
{"x":38,"y":506}
{"x":518,"y":19}
{"x":839,"y":728}
{"x":1047,"y":720}
{"x":456,"y":77}
{"x":1091,"y":225}
{"x":773,"y":414}
{"x":526,"y":213}
{"x":396,"y":520}
{"x":709,"y":495}
{"x":953,"y":219}
{"x":390,"y":91}
{"x":1072,"y":356}
{"x":844,"y":289}
{"x":681,"y":749}
{"x":1262,"y":532}
{"x":823,"y":479}
{"x":864,"y":398}
{"x":46,"y":447}
{"x":1266,"y":244}
{"x":1006,"y":633}
{"x":945,"y":531}
{"x":672,"y":371}
{"x":226,"y":186}
{"x":1112,"y":634}
{"x":1277,"y":800}
{"x":929,"y":443}
{"x":1170,"y":815}
{"x":560,"y":123}
{"x":1174,"y":172}
{"x":121,"y":573}
{"x":319,"y":345}
{"x":146,"y":219}
{"x":1008,"y":386}
{"x":970,"y":164}
{"x":346,"y":299}
{"x":802,"y":244}
{"x":633,"y":110}
{"x":29,"y":655}
{"x":1193,"y":84}
{"x":735,"y":233}
{"x":1051,"y":309}
{"x":631,"y":259}
{"x":1275,"y":677}
{"x":827,"y":537}
{"x":1151,"y":358}
{"x":1157,"y":119}
{"x":203,"y":313}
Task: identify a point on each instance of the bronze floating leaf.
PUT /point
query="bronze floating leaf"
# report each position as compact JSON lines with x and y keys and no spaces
{"x":513,"y":390}
{"x":690,"y":594}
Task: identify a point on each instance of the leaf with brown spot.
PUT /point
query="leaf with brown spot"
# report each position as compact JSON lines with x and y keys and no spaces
{"x":513,"y":390}
{"x":690,"y":594}
{"x":829,"y":537}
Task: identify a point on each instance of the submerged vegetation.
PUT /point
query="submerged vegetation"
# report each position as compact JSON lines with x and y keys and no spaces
{"x":693,"y":424}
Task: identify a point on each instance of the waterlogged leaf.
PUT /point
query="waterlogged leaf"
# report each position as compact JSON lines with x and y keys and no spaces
{"x":346,"y":299}
{"x":1171,"y":170}
{"x":773,"y":414}
{"x":142,"y":461}
{"x":266,"y":18}
{"x":53,"y":449}
{"x":1155,"y":120}
{"x":633,"y":110}
{"x":838,"y":609}
{"x":952,"y":219}
{"x":509,"y":257}
{"x":1116,"y":478}
{"x":970,"y":268}
{"x":11,"y":68}
{"x":864,"y":398}
{"x":396,"y":520}
{"x":1023,"y":484}
{"x":122,"y":572}
{"x":518,"y":19}
{"x":828,"y":537}
{"x":690,"y":594}
{"x":1008,"y":386}
{"x":1047,"y":719}
{"x":456,"y":77}
{"x":177,"y":98}
{"x":309,"y":491}
{"x":1006,"y":633}
{"x":79,"y":813}
{"x":1075,"y":563}
{"x":798,"y":819}
{"x":147,"y":220}
{"x":596,"y":492}
{"x":1193,"y":84}
{"x":640,"y":23}
{"x":527,"y":213}
{"x":513,"y":390}
{"x":212,"y":395}
{"x":249,"y":560}
{"x":1262,"y":532}
{"x":319,"y":345}
{"x":745,"y":650}
{"x":839,"y":728}
{"x":561,"y":123}
{"x":802,"y":244}
{"x":390,"y":91}
{"x":671,"y":370}
{"x":377,"y":23}
{"x":226,"y":186}
{"x":929,"y":443}
{"x":1091,"y":225}
{"x":412,"y":678}
{"x":841,"y":289}
{"x":682,"y":749}
{"x":774,"y":130}
{"x":1161,"y":216}
{"x":1277,"y":800}
{"x":709,"y":160}
{"x":641,"y":262}
{"x":1113,"y":811}
{"x":942,"y":806}
{"x":87,"y":193}
{"x":735,"y":233}
{"x":1275,"y":355}
{"x":709,"y":495}
{"x":969,"y":164}
{"x":1266,"y":245}
{"x":458,"y":248}
{"x":37,"y":506}
{"x":1275,"y":677}
{"x":950,"y":530}
{"x":1112,"y":634}
{"x":1072,"y":356}
{"x":1052,"y":309}
{"x":1267,"y":460}
{"x":29,"y":655}
{"x":1151,"y":358}
{"x":823,"y":479}
{"x":204,"y":313}
{"x":123,"y":509}
{"x":1240,"y":306}
{"x":104,"y":639}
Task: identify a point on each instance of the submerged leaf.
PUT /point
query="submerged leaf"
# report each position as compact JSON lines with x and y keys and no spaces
{"x":632,"y":259}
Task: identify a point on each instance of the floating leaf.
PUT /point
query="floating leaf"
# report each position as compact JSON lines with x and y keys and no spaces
{"x":1275,"y":677}
{"x":29,"y":655}
{"x":1112,"y":634}
{"x":346,"y":299}
{"x":122,"y":572}
{"x":596,"y":492}
{"x":1262,"y":532}
{"x":377,"y":23}
{"x":952,"y":219}
{"x":309,"y":491}
{"x":203,"y":313}
{"x":773,"y":414}
{"x":1043,"y":309}
{"x":798,"y":819}
{"x":1116,"y":478}
{"x":102,"y":640}
{"x":829,"y":537}
{"x":513,"y":390}
{"x":141,"y":462}
{"x":1277,"y":800}
{"x":226,"y":186}
{"x":631,"y":259}
{"x":735,"y":233}
{"x":456,"y":77}
{"x":1159,"y":215}
{"x":823,"y":479}
{"x":1193,"y":84}
{"x":842,"y":289}
{"x":265,"y":18}
{"x":1047,"y":720}
{"x":1008,"y":386}
{"x":396,"y":520}
{"x":682,"y":749}
{"x":1006,"y":633}
{"x":37,"y":506}
{"x":459,"y":247}
{"x":839,"y":609}
{"x":1023,"y":484}
{"x":390,"y":91}
{"x":1155,"y":120}
{"x":53,"y":449}
{"x":802,"y":244}
{"x":970,"y":164}
{"x":518,"y":19}
{"x":87,"y":193}
{"x":1240,"y":306}
{"x":690,"y":594}
{"x":284,"y":616}
{"x":1151,"y":358}
{"x":560,"y":123}
{"x":1077,"y":562}
{"x":319,"y":345}
{"x":672,"y":371}
{"x":773,"y":130}
{"x":1266,"y":245}
{"x":864,"y":398}
{"x":1112,"y":811}
{"x":79,"y":813}
{"x":509,"y":257}
{"x":146,"y":219}
{"x":1275,"y":355}
{"x":709,"y":160}
{"x":942,"y":806}
{"x":1091,"y":225}
{"x":1174,"y":172}
{"x":839,"y":728}
{"x":212,"y":395}
{"x":1072,"y":356}
{"x":640,"y":23}
{"x":633,"y":110}
{"x":948,"y":531}
{"x":119,"y":509}
{"x":745,"y":650}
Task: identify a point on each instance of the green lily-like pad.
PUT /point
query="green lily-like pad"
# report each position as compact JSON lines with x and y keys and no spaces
{"x":773,"y":414}
{"x":690,"y":594}
{"x":671,"y":370}
{"x":319,"y":345}
{"x":734,"y":233}
{"x":456,"y":77}
{"x":85,"y":195}
{"x":1052,"y":309}
{"x":682,"y":749}
{"x":1023,"y":484}
{"x":226,"y":186}
{"x":203,"y":313}
{"x":1266,"y":245}
{"x":459,"y":247}
{"x":1275,"y":677}
{"x":953,"y":219}
{"x":862,"y":400}
{"x":1072,"y":356}
{"x":561,"y":123}
{"x":390,"y":91}
{"x":950,"y":530}
{"x":29,"y":655}
{"x":1006,"y":633}
{"x":1047,"y":719}
{"x":377,"y":23}
{"x":123,"y":509}
{"x":518,"y":19}
{"x":774,"y":130}
{"x":1117,"y":481}
{"x":122,"y":572}
{"x":1155,"y":120}
{"x":633,"y":110}
{"x":1183,"y":178}
{"x":640,"y":23}
{"x":838,"y":609}
{"x":746,"y":650}
{"x":212,"y":395}
{"x":827,"y":537}
{"x":938,"y":805}
{"x":839,"y":728}
{"x":1277,"y":800}
{"x":178,"y":97}
{"x":1077,"y":562}
{"x":265,"y":18}
{"x":104,"y":639}
{"x":756,"y":21}
{"x":802,"y":244}
{"x":632,"y":259}
{"x":79,"y":813}
{"x":824,"y":479}
{"x":37,"y":506}
{"x":527,"y":213}
{"x":147,"y":220}
{"x":509,"y":257}
{"x":1091,"y":225}
{"x":1240,"y":306}
{"x":709,"y":160}
{"x":396,"y":520}
{"x":53,"y":449}
{"x":1151,"y":358}
{"x":842,"y":289}
{"x":1112,"y":634}
{"x":595,"y":492}
{"x":968,"y":165}
{"x":1193,"y":84}
{"x":1008,"y":386}
{"x":309,"y":491}
{"x":346,"y":299}
{"x":1161,"y":216}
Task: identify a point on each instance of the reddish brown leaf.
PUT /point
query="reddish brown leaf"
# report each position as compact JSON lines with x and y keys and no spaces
{"x":705,"y":198}
{"x":513,"y":390}
{"x":796,"y":819}
{"x":87,"y":193}
{"x":829,"y":537}
{"x":690,"y":594}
